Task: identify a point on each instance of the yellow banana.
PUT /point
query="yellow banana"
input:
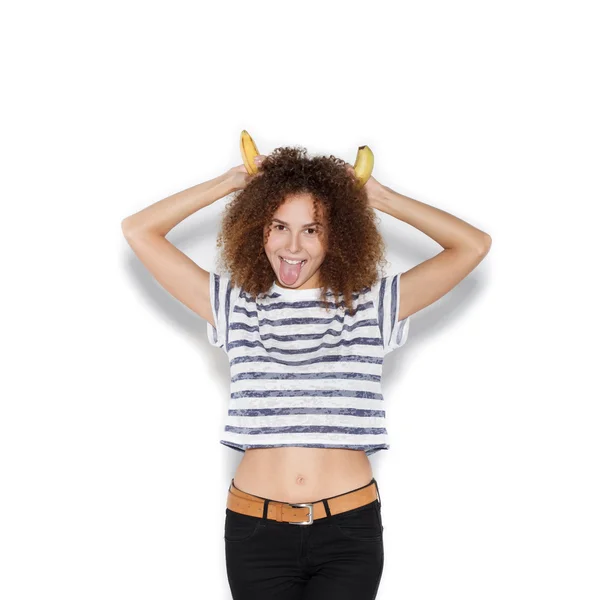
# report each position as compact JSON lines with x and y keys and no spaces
{"x":363,"y":166}
{"x":249,"y":151}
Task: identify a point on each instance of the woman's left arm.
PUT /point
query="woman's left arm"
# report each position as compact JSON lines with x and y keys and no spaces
{"x":464,"y":246}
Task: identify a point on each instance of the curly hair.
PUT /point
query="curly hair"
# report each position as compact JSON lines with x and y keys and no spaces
{"x":354,"y":246}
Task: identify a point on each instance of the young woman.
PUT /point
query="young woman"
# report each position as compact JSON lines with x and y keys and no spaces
{"x":306,"y":319}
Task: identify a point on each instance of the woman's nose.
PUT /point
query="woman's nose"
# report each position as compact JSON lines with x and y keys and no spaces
{"x":294,"y":244}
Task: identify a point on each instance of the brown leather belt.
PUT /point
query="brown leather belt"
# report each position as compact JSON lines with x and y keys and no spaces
{"x":303,"y":513}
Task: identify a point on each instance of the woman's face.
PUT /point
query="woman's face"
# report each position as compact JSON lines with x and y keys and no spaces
{"x":299,"y":235}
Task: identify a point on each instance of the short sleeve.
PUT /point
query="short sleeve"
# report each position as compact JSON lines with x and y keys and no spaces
{"x":222,"y":298}
{"x":386,"y":298}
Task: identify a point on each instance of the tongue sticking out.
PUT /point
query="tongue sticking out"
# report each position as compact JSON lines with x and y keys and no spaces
{"x":289,"y":273}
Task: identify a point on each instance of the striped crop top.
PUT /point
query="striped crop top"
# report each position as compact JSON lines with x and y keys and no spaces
{"x":301,"y":376}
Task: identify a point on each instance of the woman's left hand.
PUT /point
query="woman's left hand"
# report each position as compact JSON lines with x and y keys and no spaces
{"x":373,"y":188}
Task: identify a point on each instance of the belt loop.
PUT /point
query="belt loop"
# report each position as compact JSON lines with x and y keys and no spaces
{"x":326,"y":505}
{"x":378,"y":494}
{"x":265,"y":509}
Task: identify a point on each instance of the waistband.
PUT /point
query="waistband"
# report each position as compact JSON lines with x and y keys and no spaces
{"x":301,"y":513}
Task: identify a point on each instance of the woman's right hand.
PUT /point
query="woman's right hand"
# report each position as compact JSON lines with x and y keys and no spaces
{"x":239,"y":176}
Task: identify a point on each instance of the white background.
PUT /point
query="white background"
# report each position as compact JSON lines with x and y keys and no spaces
{"x":113,"y":478}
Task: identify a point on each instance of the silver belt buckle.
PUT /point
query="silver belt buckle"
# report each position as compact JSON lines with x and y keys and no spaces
{"x":310,"y":514}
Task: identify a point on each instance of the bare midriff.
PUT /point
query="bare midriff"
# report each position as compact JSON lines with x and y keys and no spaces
{"x":299,"y":474}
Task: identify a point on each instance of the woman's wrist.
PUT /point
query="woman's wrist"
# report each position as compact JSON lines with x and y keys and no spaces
{"x":226,"y":183}
{"x":378,"y":195}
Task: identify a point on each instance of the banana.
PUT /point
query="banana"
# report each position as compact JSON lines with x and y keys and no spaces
{"x":363,"y":166}
{"x":249,"y":151}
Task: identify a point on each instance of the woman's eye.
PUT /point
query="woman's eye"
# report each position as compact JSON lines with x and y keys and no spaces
{"x":309,"y":229}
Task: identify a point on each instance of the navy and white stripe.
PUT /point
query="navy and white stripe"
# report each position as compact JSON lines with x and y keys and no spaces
{"x":302,"y":376}
{"x":393,"y":332}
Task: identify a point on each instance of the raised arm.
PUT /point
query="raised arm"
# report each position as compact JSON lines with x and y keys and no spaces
{"x":145,"y":232}
{"x":464,"y":246}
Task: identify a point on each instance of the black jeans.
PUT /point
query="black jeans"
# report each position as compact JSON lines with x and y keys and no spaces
{"x":338,"y":556}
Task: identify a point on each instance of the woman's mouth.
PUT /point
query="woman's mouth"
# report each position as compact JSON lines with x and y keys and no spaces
{"x":292,"y":262}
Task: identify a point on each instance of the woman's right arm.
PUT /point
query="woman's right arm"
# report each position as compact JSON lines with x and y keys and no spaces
{"x":145,"y":232}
